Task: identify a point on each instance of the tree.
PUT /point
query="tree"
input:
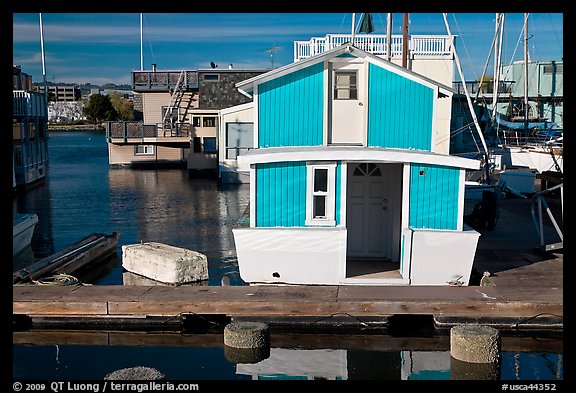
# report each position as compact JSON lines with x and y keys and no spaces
{"x":99,"y":108}
{"x":124,"y":108}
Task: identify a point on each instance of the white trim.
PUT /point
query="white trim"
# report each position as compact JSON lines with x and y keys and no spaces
{"x":255,"y":117}
{"x":327,"y":123}
{"x":433,"y":130}
{"x":253,"y":181}
{"x":330,"y":219}
{"x":354,"y":153}
{"x":236,"y":108}
{"x":461,"y":194}
{"x":343,"y":193}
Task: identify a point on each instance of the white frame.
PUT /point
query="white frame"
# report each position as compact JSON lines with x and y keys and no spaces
{"x":330,"y":219}
{"x":149,"y":150}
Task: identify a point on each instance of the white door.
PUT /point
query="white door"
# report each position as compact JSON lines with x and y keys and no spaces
{"x":347,"y":125}
{"x":367,"y":211}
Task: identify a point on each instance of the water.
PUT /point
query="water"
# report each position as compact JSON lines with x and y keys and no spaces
{"x":83,"y":195}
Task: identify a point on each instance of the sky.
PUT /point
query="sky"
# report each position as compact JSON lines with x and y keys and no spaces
{"x":102,"y":48}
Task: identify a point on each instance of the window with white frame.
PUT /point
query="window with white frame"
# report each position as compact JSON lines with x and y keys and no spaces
{"x":345,"y":86}
{"x":321,"y":194}
{"x":144,"y":150}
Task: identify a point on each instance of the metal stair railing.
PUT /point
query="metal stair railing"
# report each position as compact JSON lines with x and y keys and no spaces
{"x":175,"y":99}
{"x":539,"y":201}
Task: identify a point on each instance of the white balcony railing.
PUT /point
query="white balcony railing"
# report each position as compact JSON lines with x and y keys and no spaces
{"x":26,"y":103}
{"x":419,"y":46}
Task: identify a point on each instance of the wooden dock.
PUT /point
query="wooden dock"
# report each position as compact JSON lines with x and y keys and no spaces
{"x":524,"y":291}
{"x":90,"y":250}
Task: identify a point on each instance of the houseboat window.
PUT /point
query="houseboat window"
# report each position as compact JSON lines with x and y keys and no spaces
{"x":345,"y":86}
{"x":367,"y":169}
{"x":209,"y":144}
{"x":144,"y":150}
{"x":170,"y":113}
{"x":320,"y":196}
{"x":239,"y":139}
{"x":196,"y":121}
{"x":211,"y":77}
{"x":209,"y":121}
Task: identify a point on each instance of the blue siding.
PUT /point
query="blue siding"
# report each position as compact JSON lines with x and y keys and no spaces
{"x":281,"y":194}
{"x":290,"y":109}
{"x":400,"y":111}
{"x":434,"y":197}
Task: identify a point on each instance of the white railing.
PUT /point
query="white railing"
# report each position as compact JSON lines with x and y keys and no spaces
{"x":418,"y":46}
{"x":26,"y":103}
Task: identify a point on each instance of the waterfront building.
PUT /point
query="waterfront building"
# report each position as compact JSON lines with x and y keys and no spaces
{"x":177,"y":118}
{"x":29,"y":131}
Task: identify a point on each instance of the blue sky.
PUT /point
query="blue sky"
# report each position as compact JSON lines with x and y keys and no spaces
{"x":104,"y":48}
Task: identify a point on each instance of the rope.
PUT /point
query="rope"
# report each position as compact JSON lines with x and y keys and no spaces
{"x":58,"y":279}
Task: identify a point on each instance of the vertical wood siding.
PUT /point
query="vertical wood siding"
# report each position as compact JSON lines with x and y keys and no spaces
{"x":281,"y":194}
{"x":290,"y":109}
{"x":434,"y":197}
{"x":399,"y":111}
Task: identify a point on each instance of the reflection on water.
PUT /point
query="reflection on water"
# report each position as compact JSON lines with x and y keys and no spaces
{"x":83,"y":195}
{"x":66,"y":355}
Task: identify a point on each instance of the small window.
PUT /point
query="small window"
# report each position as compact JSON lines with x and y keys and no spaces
{"x":211,"y":77}
{"x":209,"y":121}
{"x":239,"y":139}
{"x":345,"y":85}
{"x":144,"y":150}
{"x":210,"y":144}
{"x":321,"y":194}
{"x":196,"y":121}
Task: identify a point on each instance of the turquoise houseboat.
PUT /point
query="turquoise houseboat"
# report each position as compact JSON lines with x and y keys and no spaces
{"x":350,"y":183}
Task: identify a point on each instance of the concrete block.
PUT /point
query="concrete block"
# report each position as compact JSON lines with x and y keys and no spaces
{"x":165,"y":263}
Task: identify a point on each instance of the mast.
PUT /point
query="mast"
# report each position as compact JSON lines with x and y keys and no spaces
{"x":353,"y":26}
{"x":405,"y":42}
{"x":526,"y":74}
{"x":141,"y":52}
{"x":470,"y":106}
{"x":43,"y":63}
{"x":389,"y":37}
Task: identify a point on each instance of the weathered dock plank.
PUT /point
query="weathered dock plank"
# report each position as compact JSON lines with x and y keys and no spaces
{"x":274,"y":301}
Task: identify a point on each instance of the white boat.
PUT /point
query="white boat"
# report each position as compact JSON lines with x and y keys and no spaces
{"x":23,"y":229}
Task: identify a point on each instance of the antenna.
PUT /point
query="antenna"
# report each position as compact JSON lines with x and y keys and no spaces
{"x":273,"y":50}
{"x":213,"y":65}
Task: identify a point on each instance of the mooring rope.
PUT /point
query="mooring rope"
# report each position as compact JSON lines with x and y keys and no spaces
{"x":58,"y":279}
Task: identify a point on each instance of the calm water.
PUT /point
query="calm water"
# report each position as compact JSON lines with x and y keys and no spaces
{"x":82,"y":195}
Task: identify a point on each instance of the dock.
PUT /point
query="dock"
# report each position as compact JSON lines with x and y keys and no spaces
{"x":90,"y":250}
{"x":524,"y":290}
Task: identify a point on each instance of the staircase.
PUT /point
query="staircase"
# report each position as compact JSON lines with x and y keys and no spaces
{"x":180,"y":99}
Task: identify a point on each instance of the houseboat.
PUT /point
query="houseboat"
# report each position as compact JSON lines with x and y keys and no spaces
{"x":350,"y":180}
{"x":428,"y":55}
{"x":29,"y":132}
{"x":176,"y":118}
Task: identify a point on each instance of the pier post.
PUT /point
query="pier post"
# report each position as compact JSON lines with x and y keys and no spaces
{"x":475,"y":352}
{"x":246,"y":342}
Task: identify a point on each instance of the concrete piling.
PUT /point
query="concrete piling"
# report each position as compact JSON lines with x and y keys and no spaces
{"x":246,"y":342}
{"x":475,"y":352}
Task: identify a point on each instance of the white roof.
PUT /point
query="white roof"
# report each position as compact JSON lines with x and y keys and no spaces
{"x":354,"y":153}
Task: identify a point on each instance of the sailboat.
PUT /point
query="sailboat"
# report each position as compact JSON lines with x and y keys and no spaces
{"x":527,"y":141}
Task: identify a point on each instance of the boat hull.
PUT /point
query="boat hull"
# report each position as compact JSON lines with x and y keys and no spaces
{"x":23,"y":229}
